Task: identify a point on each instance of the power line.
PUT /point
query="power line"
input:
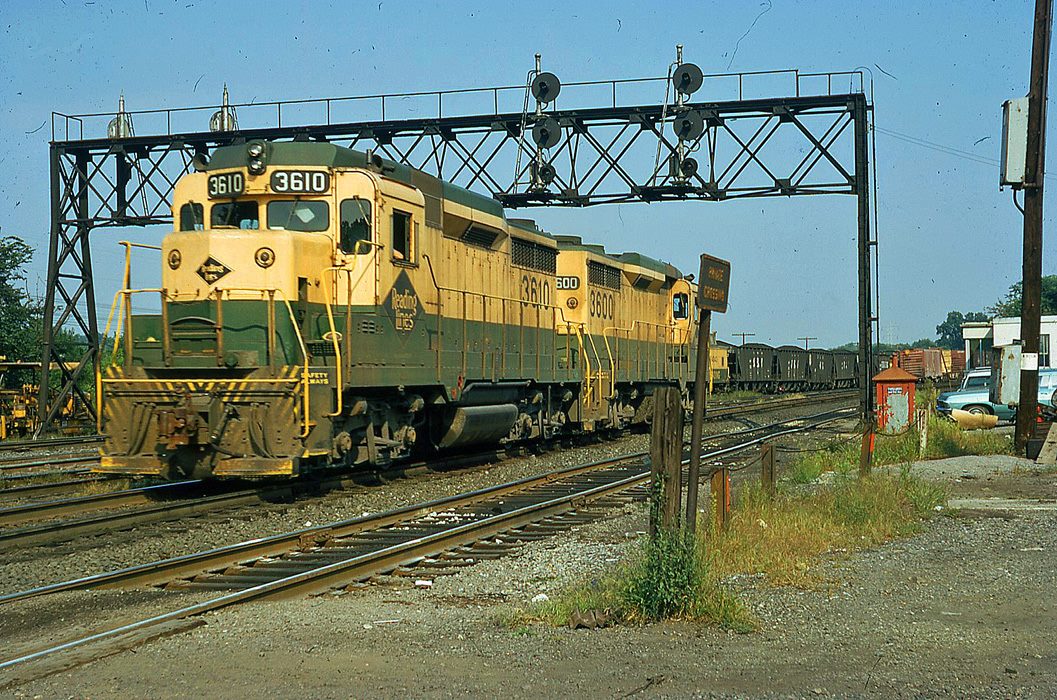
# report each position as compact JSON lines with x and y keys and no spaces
{"x":939,"y":147}
{"x":924,"y":143}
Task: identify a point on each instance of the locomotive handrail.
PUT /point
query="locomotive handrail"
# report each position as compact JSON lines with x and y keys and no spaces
{"x":587,"y":365}
{"x":484,"y":295}
{"x":439,"y":287}
{"x":271,"y":292}
{"x":125,"y":313}
{"x":126,"y":294}
{"x":333,"y":333}
{"x":594,"y":349}
{"x":637,"y":322}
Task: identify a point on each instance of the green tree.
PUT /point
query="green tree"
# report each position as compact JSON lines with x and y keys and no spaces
{"x":19,"y":314}
{"x":22,"y":316}
{"x":950,"y":331}
{"x":1009,"y":306}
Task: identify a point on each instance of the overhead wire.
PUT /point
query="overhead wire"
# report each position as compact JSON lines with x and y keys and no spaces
{"x":939,"y":147}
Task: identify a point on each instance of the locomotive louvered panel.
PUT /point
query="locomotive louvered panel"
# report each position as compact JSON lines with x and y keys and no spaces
{"x":533,"y":256}
{"x":478,"y":236}
{"x":369,"y":326}
{"x":603,"y":275}
{"x":320,"y":348}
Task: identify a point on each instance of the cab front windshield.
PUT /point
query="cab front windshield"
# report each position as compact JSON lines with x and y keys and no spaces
{"x":235,"y":214}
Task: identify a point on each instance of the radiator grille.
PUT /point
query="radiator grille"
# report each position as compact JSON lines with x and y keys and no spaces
{"x":533,"y":256}
{"x":603,"y":275}
{"x":479,"y":237}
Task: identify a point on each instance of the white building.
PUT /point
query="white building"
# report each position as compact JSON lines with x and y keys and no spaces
{"x":981,"y":336}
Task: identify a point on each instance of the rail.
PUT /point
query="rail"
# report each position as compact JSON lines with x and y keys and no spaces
{"x":402,"y":537}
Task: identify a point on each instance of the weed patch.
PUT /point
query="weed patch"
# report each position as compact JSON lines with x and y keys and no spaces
{"x":668,"y":578}
{"x":781,"y":537}
{"x":945,"y":439}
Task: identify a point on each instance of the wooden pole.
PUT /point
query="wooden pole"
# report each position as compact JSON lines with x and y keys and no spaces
{"x":1034,"y":177}
{"x":767,"y":476}
{"x":666,"y":459}
{"x":697,"y":419}
{"x":721,"y":494}
{"x":866,"y":450}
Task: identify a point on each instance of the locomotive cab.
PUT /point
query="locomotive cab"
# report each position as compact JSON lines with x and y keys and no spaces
{"x":222,"y":382}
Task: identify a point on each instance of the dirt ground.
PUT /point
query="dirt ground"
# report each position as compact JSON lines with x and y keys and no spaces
{"x":966,"y":608}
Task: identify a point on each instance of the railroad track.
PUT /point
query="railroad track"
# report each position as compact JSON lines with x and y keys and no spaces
{"x":110,"y":511}
{"x":57,"y":460}
{"x":717,"y":411}
{"x":28,"y":445}
{"x":52,"y":488}
{"x":162,"y":502}
{"x":437,"y":536}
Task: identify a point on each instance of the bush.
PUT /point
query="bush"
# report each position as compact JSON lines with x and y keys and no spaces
{"x":666,"y":580}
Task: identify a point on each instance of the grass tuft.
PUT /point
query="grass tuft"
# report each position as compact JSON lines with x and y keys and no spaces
{"x":783,"y":536}
{"x":668,"y":578}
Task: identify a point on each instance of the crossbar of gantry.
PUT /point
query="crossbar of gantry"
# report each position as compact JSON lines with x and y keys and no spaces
{"x":116,"y":182}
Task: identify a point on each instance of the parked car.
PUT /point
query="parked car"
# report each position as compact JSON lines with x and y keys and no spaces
{"x":973,"y":394}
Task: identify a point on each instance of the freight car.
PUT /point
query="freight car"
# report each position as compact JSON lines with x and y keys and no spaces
{"x":320,"y":305}
{"x":760,"y":367}
{"x":931,"y":363}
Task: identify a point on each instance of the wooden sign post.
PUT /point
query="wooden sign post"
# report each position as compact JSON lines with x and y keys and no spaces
{"x":713,"y":287}
{"x":666,"y":460}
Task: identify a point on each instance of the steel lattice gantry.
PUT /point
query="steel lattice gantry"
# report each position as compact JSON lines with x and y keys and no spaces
{"x":786,"y":146}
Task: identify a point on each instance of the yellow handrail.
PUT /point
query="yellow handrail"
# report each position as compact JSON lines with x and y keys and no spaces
{"x":587,"y":364}
{"x":127,"y":294}
{"x":594,"y":349}
{"x":333,"y":333}
{"x":484,"y":295}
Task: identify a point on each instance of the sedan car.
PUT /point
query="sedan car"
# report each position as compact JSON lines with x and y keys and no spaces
{"x":973,"y":394}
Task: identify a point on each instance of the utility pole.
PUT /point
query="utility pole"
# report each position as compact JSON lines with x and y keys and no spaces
{"x":806,"y":338}
{"x":1030,"y":311}
{"x":743,"y":336}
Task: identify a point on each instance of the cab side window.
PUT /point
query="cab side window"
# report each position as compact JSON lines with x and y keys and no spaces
{"x":680,"y":307}
{"x":191,"y":217}
{"x":402,"y":236}
{"x":355,"y":226}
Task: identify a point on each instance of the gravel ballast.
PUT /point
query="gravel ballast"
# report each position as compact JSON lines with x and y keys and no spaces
{"x":964,"y":608}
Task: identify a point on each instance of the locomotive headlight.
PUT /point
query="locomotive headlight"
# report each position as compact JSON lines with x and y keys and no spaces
{"x":264,"y":257}
{"x":256,"y":166}
{"x":255,"y":149}
{"x":174,"y":259}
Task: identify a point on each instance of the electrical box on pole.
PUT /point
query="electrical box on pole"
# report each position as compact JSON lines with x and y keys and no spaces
{"x":1014,"y":142}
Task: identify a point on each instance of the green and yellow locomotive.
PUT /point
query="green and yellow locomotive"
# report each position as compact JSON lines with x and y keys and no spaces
{"x":321,"y":305}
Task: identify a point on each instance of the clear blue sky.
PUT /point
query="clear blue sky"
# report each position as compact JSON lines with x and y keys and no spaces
{"x":949,"y":238}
